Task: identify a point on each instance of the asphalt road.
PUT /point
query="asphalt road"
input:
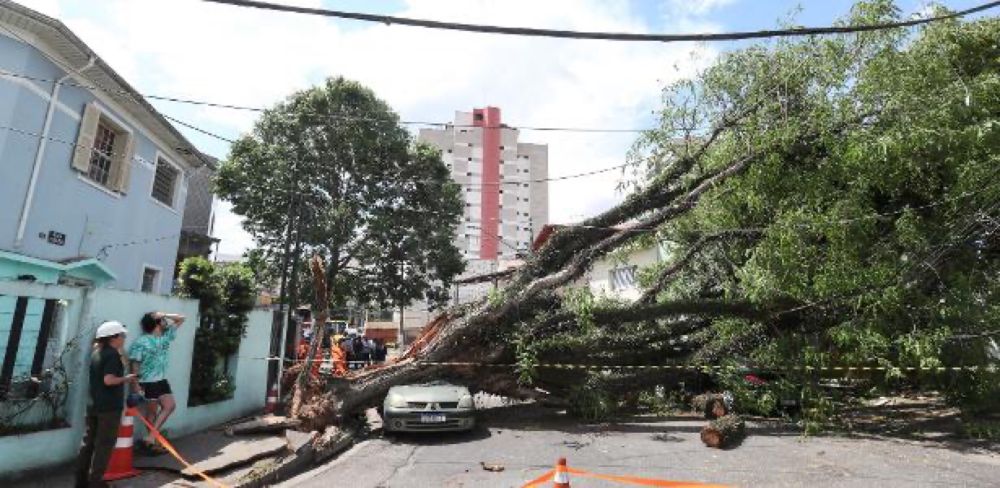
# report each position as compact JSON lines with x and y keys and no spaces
{"x":527,"y":440}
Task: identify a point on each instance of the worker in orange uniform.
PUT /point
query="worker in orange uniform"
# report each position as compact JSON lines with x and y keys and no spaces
{"x":303,"y":352}
{"x":339,"y":356}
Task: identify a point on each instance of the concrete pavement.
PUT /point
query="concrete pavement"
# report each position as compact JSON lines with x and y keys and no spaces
{"x":526,"y":440}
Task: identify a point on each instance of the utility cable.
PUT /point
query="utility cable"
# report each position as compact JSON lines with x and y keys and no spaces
{"x":605,"y":36}
{"x":336,"y":117}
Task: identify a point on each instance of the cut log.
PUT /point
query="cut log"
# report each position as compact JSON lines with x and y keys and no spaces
{"x":269,"y":424}
{"x":711,"y":405}
{"x":724,"y":432}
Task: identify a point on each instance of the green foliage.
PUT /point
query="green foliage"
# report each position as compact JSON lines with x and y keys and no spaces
{"x":581,"y":302}
{"x":590,"y":402}
{"x":225,"y":295}
{"x":380,"y":210}
{"x":874,"y":162}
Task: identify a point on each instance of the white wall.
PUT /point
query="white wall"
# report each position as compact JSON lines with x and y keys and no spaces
{"x":599,"y":276}
{"x":88,"y":308}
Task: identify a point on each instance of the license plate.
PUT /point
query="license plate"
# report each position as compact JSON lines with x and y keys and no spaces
{"x":432,"y":418}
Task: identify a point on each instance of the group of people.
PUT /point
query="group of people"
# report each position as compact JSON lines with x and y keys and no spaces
{"x":346,"y":352}
{"x":361,"y":351}
{"x":147,"y":362}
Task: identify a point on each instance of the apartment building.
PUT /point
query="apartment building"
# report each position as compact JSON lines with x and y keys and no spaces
{"x":502,"y":179}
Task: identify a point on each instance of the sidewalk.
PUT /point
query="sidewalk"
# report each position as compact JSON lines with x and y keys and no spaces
{"x":233,"y":460}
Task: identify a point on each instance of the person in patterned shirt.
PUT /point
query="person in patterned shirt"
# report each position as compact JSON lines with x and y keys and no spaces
{"x":149,"y":356}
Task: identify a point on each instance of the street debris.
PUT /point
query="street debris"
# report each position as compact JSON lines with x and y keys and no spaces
{"x":711,"y":405}
{"x":724,"y":432}
{"x":496,"y":468}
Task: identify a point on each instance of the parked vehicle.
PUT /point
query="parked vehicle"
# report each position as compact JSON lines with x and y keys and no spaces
{"x":429,"y":407}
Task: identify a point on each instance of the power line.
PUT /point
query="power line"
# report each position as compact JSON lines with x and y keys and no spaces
{"x":198,"y":129}
{"x":462,"y":185}
{"x":128,"y":95}
{"x":844,"y":221}
{"x":103,"y":252}
{"x":606,"y":36}
{"x":336,"y":117}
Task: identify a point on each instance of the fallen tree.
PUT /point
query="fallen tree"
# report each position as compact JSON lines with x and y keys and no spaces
{"x":724,"y":431}
{"x":807,"y":226}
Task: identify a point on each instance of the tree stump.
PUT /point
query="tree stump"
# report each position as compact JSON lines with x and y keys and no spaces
{"x":724,"y":431}
{"x":711,"y":405}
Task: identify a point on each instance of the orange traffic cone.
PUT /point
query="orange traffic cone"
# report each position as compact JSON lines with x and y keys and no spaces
{"x":120,"y":466}
{"x":272,"y":399}
{"x":561,"y":477}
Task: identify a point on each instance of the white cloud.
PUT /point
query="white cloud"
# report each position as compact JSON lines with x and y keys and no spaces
{"x":245,"y":56}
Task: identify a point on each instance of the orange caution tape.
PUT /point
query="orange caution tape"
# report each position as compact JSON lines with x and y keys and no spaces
{"x":541,"y":479}
{"x":173,"y":452}
{"x":632,"y":480}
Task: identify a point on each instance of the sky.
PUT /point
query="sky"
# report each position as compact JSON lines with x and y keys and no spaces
{"x":225,"y":54}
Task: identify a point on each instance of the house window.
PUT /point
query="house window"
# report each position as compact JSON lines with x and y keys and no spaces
{"x":165,"y":182}
{"x":101,"y":157}
{"x":622,"y":278}
{"x":103,"y":151}
{"x":150,"y":280}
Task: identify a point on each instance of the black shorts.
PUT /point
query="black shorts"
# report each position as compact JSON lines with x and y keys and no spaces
{"x":156,"y":389}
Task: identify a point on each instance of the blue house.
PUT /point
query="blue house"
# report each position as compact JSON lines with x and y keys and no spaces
{"x":93,"y":180}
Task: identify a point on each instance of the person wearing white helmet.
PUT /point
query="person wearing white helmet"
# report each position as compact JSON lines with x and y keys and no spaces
{"x":107,"y":395}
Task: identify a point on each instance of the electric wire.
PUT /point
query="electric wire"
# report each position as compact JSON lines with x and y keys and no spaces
{"x":607,"y":36}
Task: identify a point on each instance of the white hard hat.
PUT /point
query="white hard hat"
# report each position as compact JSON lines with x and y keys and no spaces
{"x":110,"y":328}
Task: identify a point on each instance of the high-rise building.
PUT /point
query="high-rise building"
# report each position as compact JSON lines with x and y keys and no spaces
{"x":502,"y":180}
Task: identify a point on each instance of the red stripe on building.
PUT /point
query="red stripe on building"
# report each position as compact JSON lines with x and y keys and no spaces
{"x":489,"y":119}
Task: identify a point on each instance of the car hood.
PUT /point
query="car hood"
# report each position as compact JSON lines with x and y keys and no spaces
{"x":430,"y":393}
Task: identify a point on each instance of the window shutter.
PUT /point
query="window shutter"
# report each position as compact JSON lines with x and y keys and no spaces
{"x":123,"y":163}
{"x":85,"y":140}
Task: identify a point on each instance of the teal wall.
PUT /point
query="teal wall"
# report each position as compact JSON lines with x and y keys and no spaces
{"x":84,"y":310}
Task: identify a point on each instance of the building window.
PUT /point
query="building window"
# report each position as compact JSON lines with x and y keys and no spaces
{"x":524,"y":171}
{"x":478,"y":116}
{"x":501,"y":148}
{"x":622,"y":278}
{"x":103,"y":152}
{"x":165,"y":182}
{"x":101,"y":157}
{"x":525,"y":185}
{"x":150,"y":280}
{"x":449,"y":151}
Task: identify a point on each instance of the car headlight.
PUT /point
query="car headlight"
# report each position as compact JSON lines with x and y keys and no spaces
{"x":396,"y":401}
{"x":465,"y":402}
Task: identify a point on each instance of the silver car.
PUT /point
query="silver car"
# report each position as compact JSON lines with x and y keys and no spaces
{"x":429,"y":407}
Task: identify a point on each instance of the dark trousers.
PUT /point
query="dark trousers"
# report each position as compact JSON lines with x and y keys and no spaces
{"x":95,"y":451}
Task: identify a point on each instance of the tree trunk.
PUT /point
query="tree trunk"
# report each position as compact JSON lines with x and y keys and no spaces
{"x":711,"y":405}
{"x":303,"y":384}
{"x":724,"y":432}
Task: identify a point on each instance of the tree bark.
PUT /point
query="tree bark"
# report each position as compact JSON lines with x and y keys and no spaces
{"x":302,"y":383}
{"x":711,"y":405}
{"x":724,"y":432}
